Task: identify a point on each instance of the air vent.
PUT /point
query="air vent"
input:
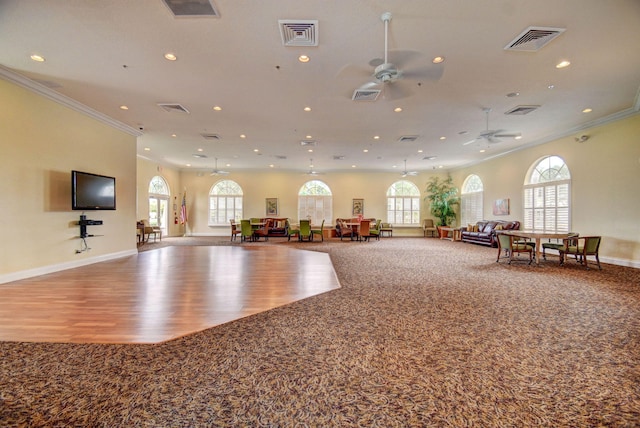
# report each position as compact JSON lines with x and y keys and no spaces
{"x":211,"y":137}
{"x":173,"y":107}
{"x":299,"y":32}
{"x":281,"y":157}
{"x":192,"y":8}
{"x":365,"y":94}
{"x":199,"y":155}
{"x":533,"y":39}
{"x":338,"y":157}
{"x":521,"y":110}
{"x":407,"y":138}
{"x":429,"y":157}
{"x":308,"y":143}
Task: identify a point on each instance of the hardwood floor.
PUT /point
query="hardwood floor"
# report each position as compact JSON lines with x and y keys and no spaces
{"x":161,"y":294}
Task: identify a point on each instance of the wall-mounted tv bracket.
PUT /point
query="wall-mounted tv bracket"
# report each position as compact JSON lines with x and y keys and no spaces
{"x":84,"y":223}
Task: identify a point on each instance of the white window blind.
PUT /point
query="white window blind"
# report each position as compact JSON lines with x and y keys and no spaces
{"x":547,"y":197}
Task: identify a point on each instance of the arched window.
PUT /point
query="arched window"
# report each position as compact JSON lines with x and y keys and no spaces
{"x":225,"y":203}
{"x":403,"y":203}
{"x":547,"y":196}
{"x":159,"y":203}
{"x":315,"y":202}
{"x":471,"y":200}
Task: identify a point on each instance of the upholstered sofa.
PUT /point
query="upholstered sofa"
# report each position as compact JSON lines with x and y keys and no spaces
{"x":484,"y":232}
{"x":277,"y":226}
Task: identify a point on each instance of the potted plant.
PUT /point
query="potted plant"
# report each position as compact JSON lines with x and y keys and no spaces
{"x":442,"y":197}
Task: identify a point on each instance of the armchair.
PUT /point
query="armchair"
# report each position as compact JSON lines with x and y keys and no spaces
{"x":507,"y":244}
{"x":429,"y":228}
{"x":386,"y":228}
{"x":262,"y":231}
{"x":246,"y":231}
{"x":345,"y":230}
{"x":581,"y":247}
{"x":151,"y":230}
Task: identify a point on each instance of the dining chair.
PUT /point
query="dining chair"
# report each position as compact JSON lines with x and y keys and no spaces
{"x":364,"y":230}
{"x":234,"y":229}
{"x":151,"y":230}
{"x":318,"y":231}
{"x":555,"y":245}
{"x":262,"y":231}
{"x":581,"y":247}
{"x":246,"y":231}
{"x":345,"y":230}
{"x":291,"y":231}
{"x":507,"y":244}
{"x":429,"y":228}
{"x":375,"y":230}
{"x":305,"y":230}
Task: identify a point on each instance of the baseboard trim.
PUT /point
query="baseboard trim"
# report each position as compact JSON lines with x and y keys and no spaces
{"x":30,"y":273}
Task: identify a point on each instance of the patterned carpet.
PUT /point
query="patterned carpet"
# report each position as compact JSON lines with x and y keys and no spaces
{"x":422,"y":333}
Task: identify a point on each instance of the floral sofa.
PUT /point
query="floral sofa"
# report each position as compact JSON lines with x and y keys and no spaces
{"x":484,"y":232}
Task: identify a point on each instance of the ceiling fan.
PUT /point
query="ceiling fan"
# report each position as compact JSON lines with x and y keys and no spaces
{"x":406,"y":173}
{"x":217,"y":171}
{"x":387,"y":74}
{"x":311,"y":170}
{"x":492,"y":136}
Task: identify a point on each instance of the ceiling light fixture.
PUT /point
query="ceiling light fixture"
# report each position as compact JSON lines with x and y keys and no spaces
{"x":303,"y":58}
{"x":438,"y":60}
{"x":397,"y":109}
{"x":518,"y":137}
{"x":217,"y":108}
{"x":365,"y":150}
{"x":376,"y":137}
{"x":147,"y":149}
{"x":169,"y":56}
{"x":443,"y":138}
{"x":37,"y":58}
{"x":563,"y":64}
{"x":123,"y":107}
{"x":243,"y":136}
{"x":587,"y":110}
{"x":307,"y":109}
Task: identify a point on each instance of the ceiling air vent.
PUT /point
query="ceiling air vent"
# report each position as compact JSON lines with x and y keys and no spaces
{"x":299,"y":32}
{"x":192,"y":8}
{"x":211,"y":137}
{"x":199,"y":155}
{"x":533,"y":39}
{"x":307,"y":143}
{"x":365,"y":94}
{"x":173,"y":107}
{"x":407,"y":138}
{"x":521,"y":110}
{"x":281,"y":157}
{"x":338,"y":157}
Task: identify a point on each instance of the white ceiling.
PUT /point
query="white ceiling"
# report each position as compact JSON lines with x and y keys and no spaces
{"x":108,"y":53}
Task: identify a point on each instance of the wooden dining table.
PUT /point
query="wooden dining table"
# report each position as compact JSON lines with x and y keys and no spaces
{"x":537,"y":236}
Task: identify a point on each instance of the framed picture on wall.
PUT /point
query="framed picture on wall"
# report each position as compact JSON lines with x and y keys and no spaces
{"x":501,"y":207}
{"x":358,"y":207}
{"x":272,"y":206}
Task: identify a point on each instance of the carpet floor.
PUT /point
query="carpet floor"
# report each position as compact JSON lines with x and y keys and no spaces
{"x":422,"y":333}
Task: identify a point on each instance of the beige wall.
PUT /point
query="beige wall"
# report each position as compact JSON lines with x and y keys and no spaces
{"x":605,"y":183}
{"x":41,"y":141}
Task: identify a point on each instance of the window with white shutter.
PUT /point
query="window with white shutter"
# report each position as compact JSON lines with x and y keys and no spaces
{"x":547,"y":197}
{"x":403,"y":203}
{"x":471,"y":200}
{"x":315,"y":202}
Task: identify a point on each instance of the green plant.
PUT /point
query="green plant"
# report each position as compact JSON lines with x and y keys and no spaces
{"x":442,"y":197}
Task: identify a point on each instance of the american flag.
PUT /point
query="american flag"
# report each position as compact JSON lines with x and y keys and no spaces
{"x":183,"y":209}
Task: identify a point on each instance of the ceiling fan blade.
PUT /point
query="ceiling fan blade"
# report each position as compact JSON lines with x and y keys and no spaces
{"x":471,"y":142}
{"x":395,"y":91}
{"x":493,"y":140}
{"x":370,"y":85}
{"x":430,"y":72}
{"x":507,"y":135}
{"x":404,"y":58}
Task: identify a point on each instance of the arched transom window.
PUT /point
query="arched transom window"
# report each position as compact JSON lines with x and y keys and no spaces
{"x":225,"y":203}
{"x":547,"y":196}
{"x":159,"y":203}
{"x":471,"y":200}
{"x":403,"y":203}
{"x":315,"y":202}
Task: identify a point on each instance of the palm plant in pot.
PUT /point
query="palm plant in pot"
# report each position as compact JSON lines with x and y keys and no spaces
{"x":442,"y":197}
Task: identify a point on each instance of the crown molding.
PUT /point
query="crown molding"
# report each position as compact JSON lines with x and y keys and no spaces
{"x":40,"y":89}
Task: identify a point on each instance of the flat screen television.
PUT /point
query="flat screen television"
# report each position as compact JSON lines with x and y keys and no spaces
{"x":91,"y":192}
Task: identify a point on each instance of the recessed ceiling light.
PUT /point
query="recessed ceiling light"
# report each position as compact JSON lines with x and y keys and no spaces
{"x":310,"y":150}
{"x":563,"y":64}
{"x":303,"y":58}
{"x":147,"y":149}
{"x":438,"y":60}
{"x":353,"y":166}
{"x":376,"y":137}
{"x":37,"y":58}
{"x":201,"y":150}
{"x":551,"y":86}
{"x":174,"y":135}
{"x":365,"y":150}
{"x":518,"y":137}
{"x":188,"y":164}
{"x":307,"y":109}
{"x":217,"y":108}
{"x":482,"y":150}
{"x":308,"y":137}
{"x":419,"y":150}
{"x":440,"y":166}
{"x":397,"y":109}
{"x":272,"y":166}
{"x":256,"y":150}
{"x":587,"y":110}
{"x":170,"y":56}
{"x":228,"y":165}
{"x":243,"y":136}
{"x":123,"y":107}
{"x":443,"y":138}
